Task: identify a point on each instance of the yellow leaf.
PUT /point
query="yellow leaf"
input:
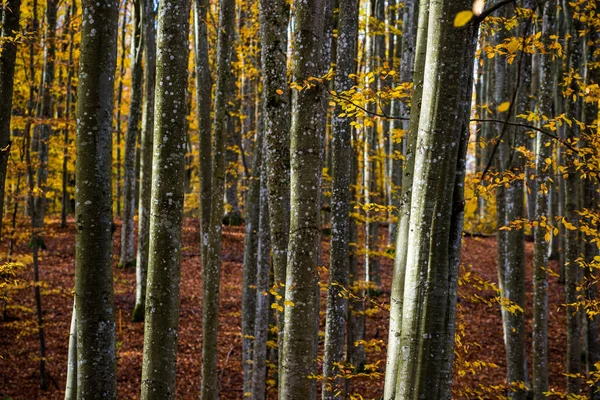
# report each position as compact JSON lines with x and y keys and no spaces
{"x":279,"y":92}
{"x":504,"y":106}
{"x":462,"y":18}
{"x":288,"y":303}
{"x":513,"y":45}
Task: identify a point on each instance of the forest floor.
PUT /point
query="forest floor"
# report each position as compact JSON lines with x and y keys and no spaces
{"x":19,"y":376}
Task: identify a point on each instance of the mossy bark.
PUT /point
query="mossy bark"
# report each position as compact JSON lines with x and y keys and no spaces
{"x":166,"y":213}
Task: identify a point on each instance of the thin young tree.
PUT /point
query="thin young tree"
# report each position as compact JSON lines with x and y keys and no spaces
{"x":298,"y":358}
{"x":141,"y":265}
{"x":212,"y":263}
{"x":341,"y":155}
{"x":166,"y":213}
{"x":127,"y":256}
{"x":540,"y":252}
{"x":11,"y":12}
{"x":95,"y":318}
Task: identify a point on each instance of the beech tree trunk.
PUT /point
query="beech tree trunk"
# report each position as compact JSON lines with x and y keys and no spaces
{"x":341,"y":155}
{"x":431,"y":273}
{"x":540,"y":255}
{"x":141,"y":265}
{"x":8,"y":54}
{"x":127,"y":256}
{"x":212,"y":266}
{"x":95,"y":318}
{"x":298,"y":358}
{"x":166,"y":212}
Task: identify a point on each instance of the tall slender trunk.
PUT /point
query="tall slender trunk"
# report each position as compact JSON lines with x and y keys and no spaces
{"x":540,"y":253}
{"x":141,"y":265}
{"x":405,"y":199}
{"x":305,"y":231}
{"x":95,"y":319}
{"x":427,"y":327}
{"x":250,"y":295}
{"x":118,"y":118}
{"x":66,"y":141}
{"x":8,"y":54}
{"x":71,"y":385}
{"x":212,"y":266}
{"x":263,"y":303}
{"x":274,"y":20}
{"x":166,"y":213}
{"x":127,"y":256}
{"x":203,"y":101}
{"x":341,"y":155}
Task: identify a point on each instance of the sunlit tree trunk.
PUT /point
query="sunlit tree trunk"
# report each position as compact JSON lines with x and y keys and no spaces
{"x":405,"y":198}
{"x":166,"y":212}
{"x":8,"y":55}
{"x":305,"y":231}
{"x":95,"y":319}
{"x":274,"y":19}
{"x":71,"y":386}
{"x":341,"y":155}
{"x":118,"y":185}
{"x":431,"y":274}
{"x":212,"y":264}
{"x":127,"y":256}
{"x":540,"y":255}
{"x":141,"y":265}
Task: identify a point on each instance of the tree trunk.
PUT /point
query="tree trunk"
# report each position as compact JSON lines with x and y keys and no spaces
{"x":95,"y":319}
{"x":118,"y":123}
{"x":8,"y":54}
{"x":405,"y":199}
{"x":274,"y":19}
{"x":431,"y":274}
{"x":212,"y":266}
{"x":203,"y":102}
{"x":540,"y":255}
{"x":166,"y":213}
{"x":305,"y":231}
{"x":71,"y":387}
{"x":127,"y":256}
{"x":341,"y":154}
{"x":249,"y":291}
{"x":263,"y":303}
{"x":141,"y":265}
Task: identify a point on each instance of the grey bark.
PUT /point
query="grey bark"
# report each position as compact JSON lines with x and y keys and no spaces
{"x":405,"y":199}
{"x":71,"y":385}
{"x":274,"y":19}
{"x":306,"y":167}
{"x":95,"y":319}
{"x":118,"y":118}
{"x":263,"y":303}
{"x":141,"y":265}
{"x":249,"y":291}
{"x":203,"y":101}
{"x":212,"y":266}
{"x":8,"y":54}
{"x":427,"y":331}
{"x":341,"y":155}
{"x":127,"y":256}
{"x":540,"y":256}
{"x":166,"y":213}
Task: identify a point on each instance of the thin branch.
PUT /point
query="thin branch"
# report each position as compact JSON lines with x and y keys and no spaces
{"x":491,"y":10}
{"x":533,"y":128}
{"x":372,"y":113}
